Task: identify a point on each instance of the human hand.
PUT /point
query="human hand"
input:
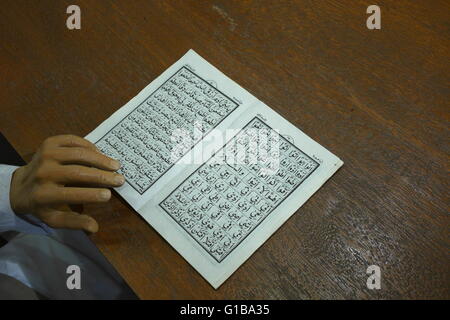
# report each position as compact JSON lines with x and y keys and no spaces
{"x":46,"y":186}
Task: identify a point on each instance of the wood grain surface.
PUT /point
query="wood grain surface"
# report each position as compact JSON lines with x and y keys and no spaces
{"x":378,"y":99}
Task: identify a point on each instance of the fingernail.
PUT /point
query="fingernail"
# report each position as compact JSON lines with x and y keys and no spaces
{"x":115,"y":164}
{"x":119,"y":179}
{"x":92,"y":227}
{"x":105,"y":194}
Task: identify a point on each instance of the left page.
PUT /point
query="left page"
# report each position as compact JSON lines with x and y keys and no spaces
{"x":142,"y":133}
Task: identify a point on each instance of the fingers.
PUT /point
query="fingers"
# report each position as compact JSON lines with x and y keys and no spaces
{"x":74,"y":174}
{"x":86,"y":157}
{"x":69,"y":140}
{"x":53,"y":195}
{"x":65,"y":160}
{"x":69,"y":220}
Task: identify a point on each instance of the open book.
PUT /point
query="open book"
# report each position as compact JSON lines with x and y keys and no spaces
{"x":214,"y":170}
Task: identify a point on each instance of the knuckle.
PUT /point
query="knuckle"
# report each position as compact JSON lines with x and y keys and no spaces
{"x":47,"y":153}
{"x":41,"y":173}
{"x":70,"y":138}
{"x":104,"y":178}
{"x":80,"y":153}
{"x":76,"y":171}
{"x":74,"y":174}
{"x":64,"y":194}
{"x":49,"y":142}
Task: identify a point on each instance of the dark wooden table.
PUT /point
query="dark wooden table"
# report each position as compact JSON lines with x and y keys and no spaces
{"x":378,"y":99}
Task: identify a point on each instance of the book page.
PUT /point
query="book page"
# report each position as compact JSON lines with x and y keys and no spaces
{"x":190,"y":97}
{"x":217,"y":213}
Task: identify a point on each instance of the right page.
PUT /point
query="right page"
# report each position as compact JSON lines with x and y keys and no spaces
{"x":219,"y":210}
